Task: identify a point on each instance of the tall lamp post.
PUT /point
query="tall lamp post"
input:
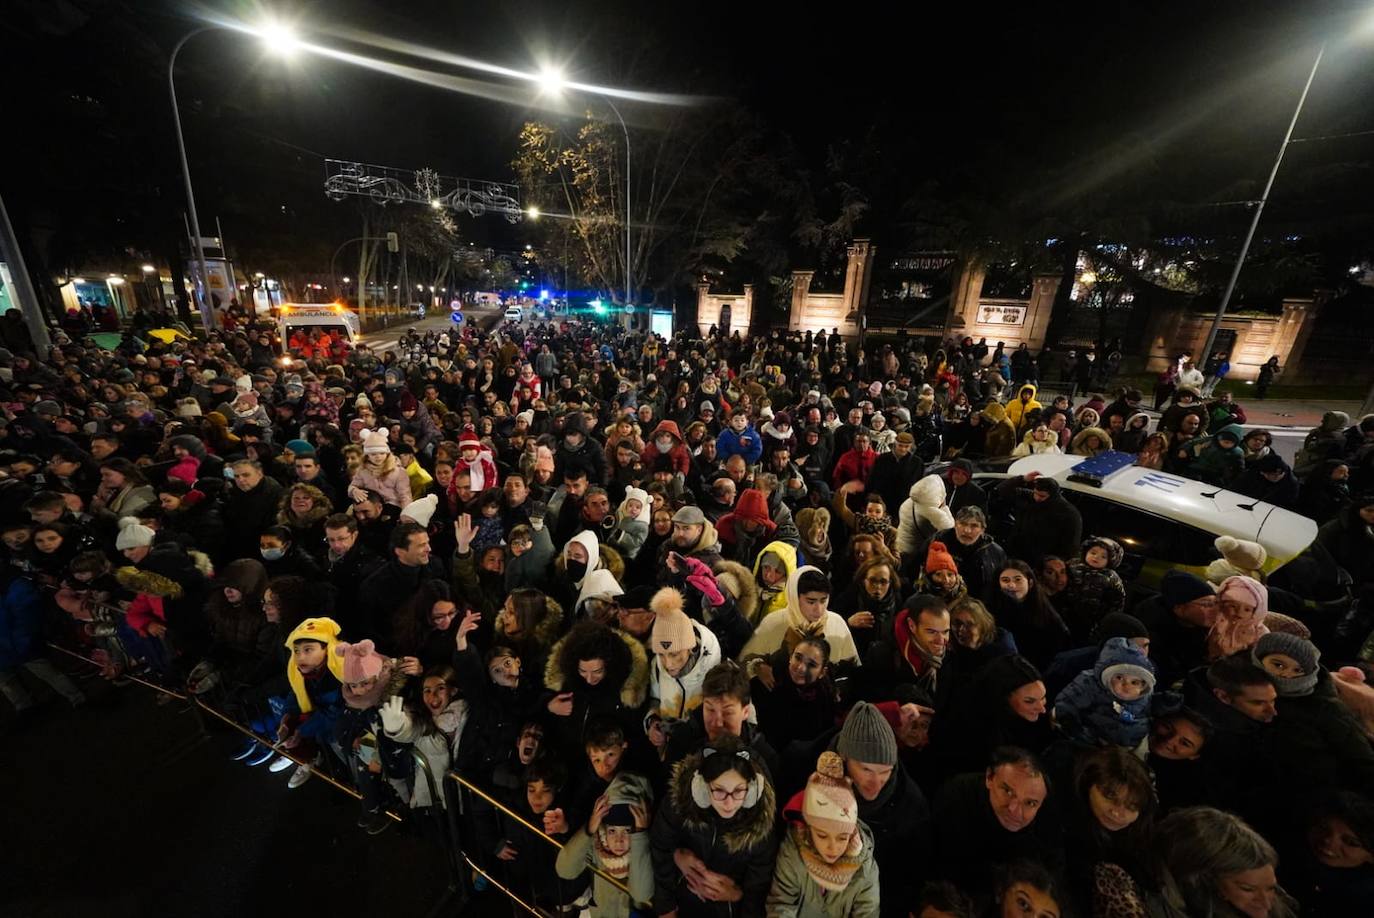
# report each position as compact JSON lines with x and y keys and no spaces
{"x":1259,"y":209}
{"x":281,"y":39}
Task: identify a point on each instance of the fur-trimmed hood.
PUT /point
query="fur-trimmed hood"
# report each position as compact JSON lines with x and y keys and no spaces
{"x":747,"y":829}
{"x":546,"y":632}
{"x":736,"y":579}
{"x":320,"y":508}
{"x":1080,"y":438}
{"x":635,"y":687}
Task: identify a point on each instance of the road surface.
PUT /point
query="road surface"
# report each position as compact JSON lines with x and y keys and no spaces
{"x":382,"y":339}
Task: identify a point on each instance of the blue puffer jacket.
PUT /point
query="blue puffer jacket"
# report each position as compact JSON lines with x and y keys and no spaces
{"x":729,"y":444}
{"x":21,"y":623}
{"x":1087,"y":711}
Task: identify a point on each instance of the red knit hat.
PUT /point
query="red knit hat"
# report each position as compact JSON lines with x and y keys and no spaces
{"x":938,"y":558}
{"x":468,"y":439}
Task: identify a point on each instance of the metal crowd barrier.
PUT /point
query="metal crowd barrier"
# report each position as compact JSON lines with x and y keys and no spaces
{"x":453,"y":824}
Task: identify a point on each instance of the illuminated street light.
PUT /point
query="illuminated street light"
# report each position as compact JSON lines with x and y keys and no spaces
{"x":436,"y":203}
{"x":279,"y":38}
{"x":149,"y":269}
{"x":551,"y":81}
{"x":348,"y":280}
{"x":532,"y":212}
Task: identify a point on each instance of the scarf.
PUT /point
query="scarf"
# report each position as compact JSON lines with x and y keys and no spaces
{"x":816,"y":551}
{"x":829,"y":877}
{"x":924,"y":665}
{"x":1227,"y":637}
{"x":617,"y":866}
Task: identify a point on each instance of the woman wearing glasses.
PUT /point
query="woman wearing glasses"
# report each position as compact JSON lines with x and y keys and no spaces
{"x":713,"y":839}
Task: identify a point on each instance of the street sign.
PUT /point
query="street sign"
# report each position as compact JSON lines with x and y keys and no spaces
{"x":629,"y":307}
{"x":456,"y":318}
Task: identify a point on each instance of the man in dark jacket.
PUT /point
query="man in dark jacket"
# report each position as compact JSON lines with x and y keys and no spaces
{"x":579,"y":449}
{"x":1178,"y":620}
{"x":1046,"y":523}
{"x":978,"y":557}
{"x":249,"y":507}
{"x":348,"y":563}
{"x":1239,"y":699}
{"x":894,"y":473}
{"x":960,"y":490}
{"x":188,"y":512}
{"x":985,"y":820}
{"x":1271,"y":480}
{"x":390,"y":586}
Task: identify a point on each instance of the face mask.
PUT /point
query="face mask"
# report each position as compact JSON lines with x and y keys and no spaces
{"x":273,"y":554}
{"x":577,"y":569}
{"x":664,"y":444}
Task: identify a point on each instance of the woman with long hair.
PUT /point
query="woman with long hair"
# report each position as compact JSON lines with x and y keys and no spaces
{"x":1020,"y":606}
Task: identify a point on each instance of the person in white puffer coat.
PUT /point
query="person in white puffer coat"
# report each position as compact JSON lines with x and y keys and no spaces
{"x":922,"y":514}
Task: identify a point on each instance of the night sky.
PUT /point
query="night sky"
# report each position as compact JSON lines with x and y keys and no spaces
{"x":1038,"y":104}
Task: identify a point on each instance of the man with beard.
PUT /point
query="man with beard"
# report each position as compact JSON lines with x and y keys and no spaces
{"x":693,"y":537}
{"x":895,"y":472}
{"x":376,"y":518}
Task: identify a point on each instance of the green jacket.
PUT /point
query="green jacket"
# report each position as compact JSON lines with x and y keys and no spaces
{"x":796,"y":895}
{"x":1214,"y":463}
{"x":609,"y":901}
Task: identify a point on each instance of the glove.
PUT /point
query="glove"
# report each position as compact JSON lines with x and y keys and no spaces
{"x":393,"y":715}
{"x":700,"y":578}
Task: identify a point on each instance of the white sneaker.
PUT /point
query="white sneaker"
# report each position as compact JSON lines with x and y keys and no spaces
{"x":281,"y":763}
{"x":298,"y":777}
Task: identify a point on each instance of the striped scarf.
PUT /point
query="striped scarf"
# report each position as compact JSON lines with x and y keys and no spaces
{"x":829,"y":877}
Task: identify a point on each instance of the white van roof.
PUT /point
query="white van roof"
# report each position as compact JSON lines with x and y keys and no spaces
{"x":1283,"y":533}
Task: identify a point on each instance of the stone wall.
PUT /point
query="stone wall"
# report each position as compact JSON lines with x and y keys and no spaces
{"x":709,"y":305}
{"x":814,"y":311}
{"x":1257,"y":338}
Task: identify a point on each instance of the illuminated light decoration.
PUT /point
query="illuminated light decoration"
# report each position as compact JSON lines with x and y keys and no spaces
{"x":1087,"y":277}
{"x":385,"y":185}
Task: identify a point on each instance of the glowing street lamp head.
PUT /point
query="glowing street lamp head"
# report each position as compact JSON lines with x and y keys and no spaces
{"x":436,"y":203}
{"x":533,"y":212}
{"x":279,"y":38}
{"x":551,"y":81}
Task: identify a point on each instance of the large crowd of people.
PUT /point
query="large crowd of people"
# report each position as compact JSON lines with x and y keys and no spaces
{"x":730,"y":619}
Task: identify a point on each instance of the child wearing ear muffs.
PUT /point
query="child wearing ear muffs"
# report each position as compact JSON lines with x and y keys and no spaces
{"x":713,"y":838}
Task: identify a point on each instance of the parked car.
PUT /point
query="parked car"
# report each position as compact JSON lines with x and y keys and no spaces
{"x":1162,"y":521}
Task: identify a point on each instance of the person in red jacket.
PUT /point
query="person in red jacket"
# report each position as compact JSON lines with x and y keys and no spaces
{"x":666,"y":440}
{"x":857,"y":464}
{"x":746,"y":529}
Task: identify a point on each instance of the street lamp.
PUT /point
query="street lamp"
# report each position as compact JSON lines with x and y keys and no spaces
{"x":551,"y":82}
{"x":1259,"y":209}
{"x":279,"y":38}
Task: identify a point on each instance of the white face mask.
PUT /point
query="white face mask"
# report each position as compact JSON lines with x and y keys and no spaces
{"x":664,"y":444}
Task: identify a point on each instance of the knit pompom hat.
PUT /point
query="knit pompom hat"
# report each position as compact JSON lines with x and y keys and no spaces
{"x":938,"y":558}
{"x":1302,"y":652}
{"x":1243,"y":555}
{"x":468,"y":439}
{"x":361,"y":661}
{"x":828,"y":802}
{"x":673,"y":631}
{"x":422,"y":510}
{"x":133,"y":534}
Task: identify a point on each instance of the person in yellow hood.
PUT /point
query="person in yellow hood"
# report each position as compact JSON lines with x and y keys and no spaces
{"x":772,"y":569}
{"x":316,"y":676}
{"x":807,"y":615}
{"x":1019,"y":407}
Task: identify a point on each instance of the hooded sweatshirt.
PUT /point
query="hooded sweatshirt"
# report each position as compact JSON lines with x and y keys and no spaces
{"x":1017,"y":410}
{"x":774,"y":599}
{"x":1088,"y":711}
{"x":922,"y":514}
{"x":788,"y":626}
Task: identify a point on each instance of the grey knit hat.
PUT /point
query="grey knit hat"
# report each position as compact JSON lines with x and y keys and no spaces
{"x":867,"y":737}
{"x":1302,"y":652}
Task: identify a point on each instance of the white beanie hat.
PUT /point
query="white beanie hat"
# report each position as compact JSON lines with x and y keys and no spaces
{"x":133,"y":534}
{"x":244,"y":383}
{"x":421,"y":510}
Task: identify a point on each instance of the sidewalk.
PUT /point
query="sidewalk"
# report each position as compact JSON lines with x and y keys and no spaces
{"x":1294,"y":413}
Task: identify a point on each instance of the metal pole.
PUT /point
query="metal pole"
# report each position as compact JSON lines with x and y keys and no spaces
{"x":628,"y":284}
{"x":22,"y":285}
{"x":206,"y":310}
{"x":1259,"y":209}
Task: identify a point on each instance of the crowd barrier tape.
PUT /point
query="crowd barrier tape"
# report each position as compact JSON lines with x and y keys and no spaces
{"x":458,"y":861}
